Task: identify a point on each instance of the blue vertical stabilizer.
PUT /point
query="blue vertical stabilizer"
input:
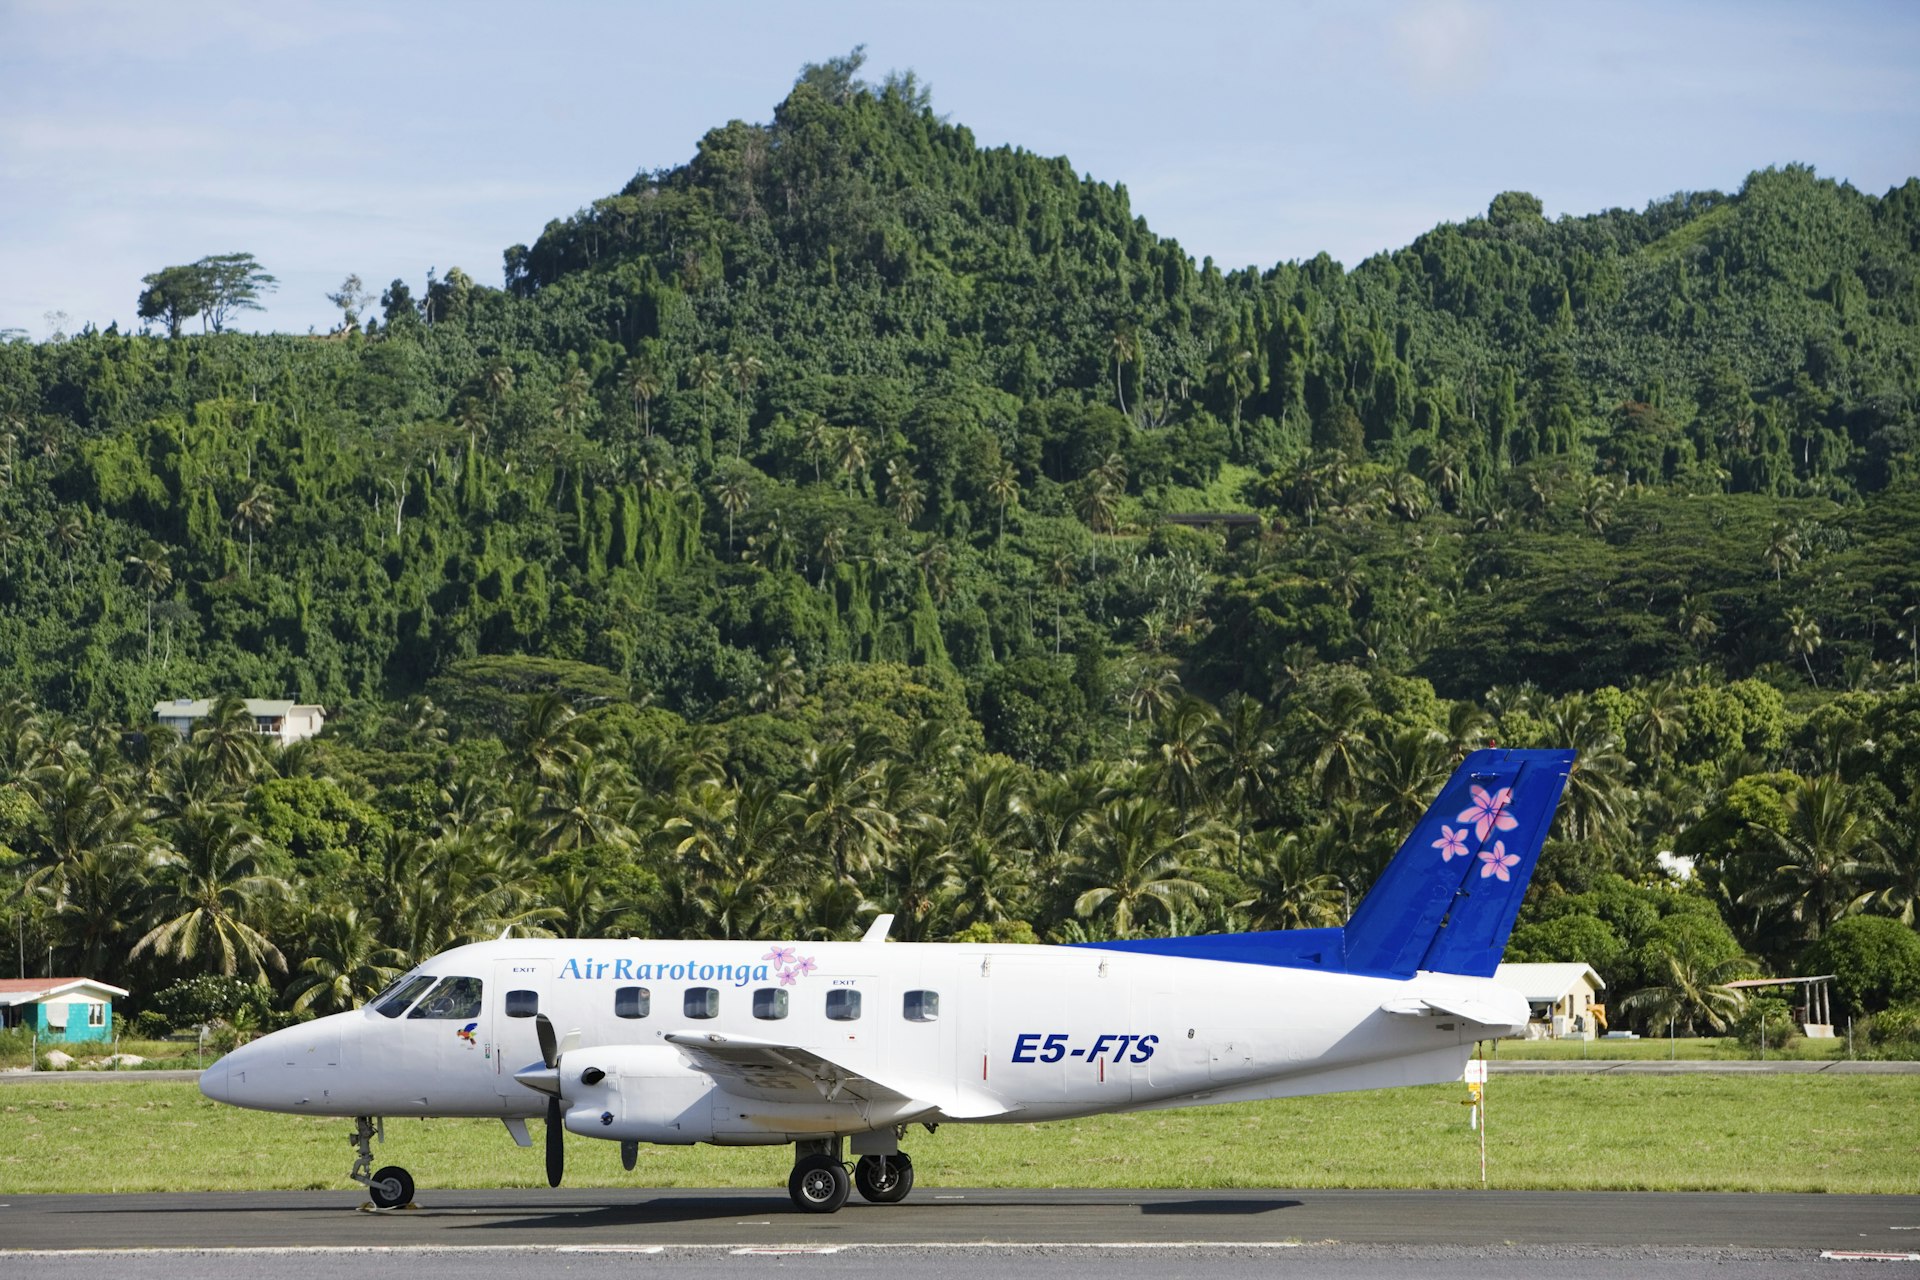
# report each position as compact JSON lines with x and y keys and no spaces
{"x":1446,"y":902}
{"x":1448,"y":899}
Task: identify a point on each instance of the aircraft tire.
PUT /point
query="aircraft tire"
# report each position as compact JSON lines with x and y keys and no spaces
{"x":818,"y":1184}
{"x":884,"y":1179}
{"x":390,"y":1187}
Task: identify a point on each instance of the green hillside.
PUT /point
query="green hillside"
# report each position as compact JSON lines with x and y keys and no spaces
{"x":788,"y":539}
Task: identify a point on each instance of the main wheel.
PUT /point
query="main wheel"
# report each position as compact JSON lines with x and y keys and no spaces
{"x":884,"y":1179}
{"x":818,"y":1184}
{"x":391,"y":1187}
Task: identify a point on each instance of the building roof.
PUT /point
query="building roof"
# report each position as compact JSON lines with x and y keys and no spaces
{"x":1547,"y":981}
{"x":30,"y":990}
{"x":196,"y":708}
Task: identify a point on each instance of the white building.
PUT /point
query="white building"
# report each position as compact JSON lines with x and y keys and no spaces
{"x":1562,"y":998}
{"x":285,"y":721}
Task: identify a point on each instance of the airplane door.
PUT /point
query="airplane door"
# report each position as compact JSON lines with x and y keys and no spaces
{"x":1025,"y":1003}
{"x":521,"y":988}
{"x":1179,"y":1060}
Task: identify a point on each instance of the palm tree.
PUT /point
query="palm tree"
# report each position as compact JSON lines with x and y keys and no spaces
{"x":576,"y":807}
{"x":1660,"y":723}
{"x":69,"y":534}
{"x":547,"y":741}
{"x":703,"y":375}
{"x":1182,"y":740}
{"x":1695,"y":991}
{"x":745,"y":369}
{"x":9,"y":540}
{"x":1332,"y":735}
{"x":816,"y":440}
{"x":1822,"y":858}
{"x":497,"y":377}
{"x":735,"y":495}
{"x":154,"y":575}
{"x":1597,"y":793}
{"x":833,"y":545}
{"x":1060,"y":574}
{"x":1124,"y":347}
{"x":210,"y":886}
{"x":1234,"y":368}
{"x":254,"y":513}
{"x":346,"y":963}
{"x":1288,"y":888}
{"x":1895,"y":866}
{"x":1803,"y":638}
{"x":1135,"y":863}
{"x":640,"y":379}
{"x":1446,"y":475}
{"x":904,"y":491}
{"x":1400,"y":775}
{"x":842,"y":818}
{"x":781,"y":681}
{"x":576,"y":390}
{"x":229,"y":740}
{"x":852,"y":454}
{"x":1783,"y":548}
{"x":1004,"y":488}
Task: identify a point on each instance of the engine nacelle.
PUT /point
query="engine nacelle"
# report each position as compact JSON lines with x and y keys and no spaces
{"x":637,"y":1093}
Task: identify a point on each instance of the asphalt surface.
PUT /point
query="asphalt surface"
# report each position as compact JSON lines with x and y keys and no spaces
{"x":946,"y":1218}
{"x":1200,"y":1262}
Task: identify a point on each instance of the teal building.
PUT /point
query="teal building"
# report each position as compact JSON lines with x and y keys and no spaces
{"x":71,"y":1009}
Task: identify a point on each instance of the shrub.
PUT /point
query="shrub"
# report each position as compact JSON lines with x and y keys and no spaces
{"x":1765,"y":1015}
{"x":1895,"y":1030}
{"x":1875,"y":961}
{"x":211,"y":998}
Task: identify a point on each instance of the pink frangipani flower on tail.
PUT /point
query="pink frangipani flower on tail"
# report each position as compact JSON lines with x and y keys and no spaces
{"x":1488,"y":812}
{"x":1451,"y":844}
{"x":1496,"y":861}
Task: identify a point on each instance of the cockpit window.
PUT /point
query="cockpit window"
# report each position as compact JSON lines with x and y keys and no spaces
{"x":401,"y":995}
{"x":454,"y":998}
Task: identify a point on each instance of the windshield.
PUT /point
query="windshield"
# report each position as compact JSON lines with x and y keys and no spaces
{"x":454,"y":998}
{"x":400,"y":996}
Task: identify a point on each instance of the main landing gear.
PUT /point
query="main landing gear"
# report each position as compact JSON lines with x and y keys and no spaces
{"x":389,"y":1187}
{"x":819,"y":1182}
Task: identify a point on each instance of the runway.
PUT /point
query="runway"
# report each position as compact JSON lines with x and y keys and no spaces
{"x":947,"y":1218}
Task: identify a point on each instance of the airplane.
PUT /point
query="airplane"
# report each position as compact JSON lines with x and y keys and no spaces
{"x":832,"y":1045}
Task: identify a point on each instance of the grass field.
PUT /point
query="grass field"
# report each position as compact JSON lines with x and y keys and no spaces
{"x":1779,"y":1133}
{"x":1713,"y":1048}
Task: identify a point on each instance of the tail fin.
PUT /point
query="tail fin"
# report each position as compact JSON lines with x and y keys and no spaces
{"x":1446,"y":902}
{"x":1448,"y":899}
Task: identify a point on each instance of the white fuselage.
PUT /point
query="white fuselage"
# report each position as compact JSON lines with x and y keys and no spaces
{"x":1011,"y":1033}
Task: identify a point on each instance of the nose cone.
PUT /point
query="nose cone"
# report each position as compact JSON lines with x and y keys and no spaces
{"x":213,"y":1082}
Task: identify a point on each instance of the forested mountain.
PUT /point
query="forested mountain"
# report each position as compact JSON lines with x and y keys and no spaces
{"x":807,"y":529}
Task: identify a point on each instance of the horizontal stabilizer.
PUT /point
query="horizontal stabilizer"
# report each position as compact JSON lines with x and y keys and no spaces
{"x":1486,"y":1013}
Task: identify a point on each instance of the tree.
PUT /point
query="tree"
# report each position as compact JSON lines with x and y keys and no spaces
{"x":904,"y":491}
{"x":1135,"y":861}
{"x":173,"y":294}
{"x":1124,"y":347}
{"x":641,"y":381}
{"x":1004,"y":488}
{"x":346,"y":963}
{"x":255,"y":514}
{"x":211,"y":883}
{"x":704,"y":375}
{"x":352,"y":298}
{"x":234,"y":282}
{"x":69,"y":533}
{"x":734,"y":495}
{"x":1875,"y":962}
{"x":153,"y":575}
{"x":1694,"y":991}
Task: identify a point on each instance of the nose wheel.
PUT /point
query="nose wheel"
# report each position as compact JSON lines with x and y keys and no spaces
{"x":389,"y":1188}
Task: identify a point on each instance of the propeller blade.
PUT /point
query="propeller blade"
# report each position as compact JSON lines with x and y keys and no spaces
{"x":549,"y":1051}
{"x":556,"y":1143}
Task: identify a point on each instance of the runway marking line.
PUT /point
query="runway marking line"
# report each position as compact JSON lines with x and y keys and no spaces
{"x":1864,"y":1255}
{"x":343,"y":1250}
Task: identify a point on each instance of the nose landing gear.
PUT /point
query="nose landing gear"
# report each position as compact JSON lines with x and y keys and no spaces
{"x":388,"y":1188}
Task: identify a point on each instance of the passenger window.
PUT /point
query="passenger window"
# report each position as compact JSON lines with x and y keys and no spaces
{"x":632,"y":1002}
{"x":843,"y":1005}
{"x":702,"y":1002}
{"x":523,"y":1004}
{"x":407,"y":992}
{"x":455,"y":999}
{"x":921,"y":1006}
{"x":770,"y":1003}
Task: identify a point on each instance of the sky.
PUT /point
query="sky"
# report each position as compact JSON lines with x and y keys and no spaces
{"x":387,"y":139}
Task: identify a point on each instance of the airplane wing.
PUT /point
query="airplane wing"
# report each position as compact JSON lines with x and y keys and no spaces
{"x":774,"y":1072}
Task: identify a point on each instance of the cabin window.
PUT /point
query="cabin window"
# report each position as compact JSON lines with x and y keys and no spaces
{"x":843,"y":1005}
{"x":96,"y":1015}
{"x":454,"y":1000}
{"x":403,"y":995}
{"x":523,"y":1004}
{"x":632,"y":1002}
{"x":769,"y":1003}
{"x":921,"y":1006}
{"x":702,"y":1002}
